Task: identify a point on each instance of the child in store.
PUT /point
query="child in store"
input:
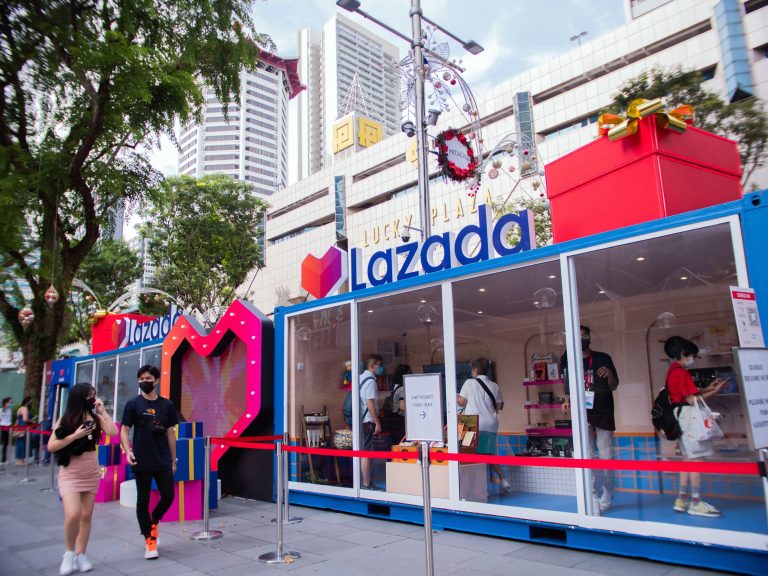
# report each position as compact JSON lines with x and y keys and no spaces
{"x":683,"y":392}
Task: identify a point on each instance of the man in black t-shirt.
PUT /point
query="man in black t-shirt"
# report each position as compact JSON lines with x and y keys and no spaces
{"x":153,"y":454}
{"x":600,"y":380}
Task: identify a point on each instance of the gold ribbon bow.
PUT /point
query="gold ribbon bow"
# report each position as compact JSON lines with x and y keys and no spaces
{"x":617,"y":127}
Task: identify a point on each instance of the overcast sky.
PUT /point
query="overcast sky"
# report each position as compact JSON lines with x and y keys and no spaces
{"x":516,"y":35}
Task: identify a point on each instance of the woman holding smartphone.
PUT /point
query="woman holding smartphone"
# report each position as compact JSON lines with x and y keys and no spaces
{"x":73,"y":442}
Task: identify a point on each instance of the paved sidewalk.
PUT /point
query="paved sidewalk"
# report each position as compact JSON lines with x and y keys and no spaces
{"x":331,"y":544}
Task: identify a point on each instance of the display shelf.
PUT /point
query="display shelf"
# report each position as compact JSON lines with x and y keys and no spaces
{"x":537,"y":406}
{"x":542,"y":382}
{"x":548,"y":432}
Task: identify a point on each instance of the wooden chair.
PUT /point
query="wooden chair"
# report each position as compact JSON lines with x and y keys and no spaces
{"x":317,"y":431}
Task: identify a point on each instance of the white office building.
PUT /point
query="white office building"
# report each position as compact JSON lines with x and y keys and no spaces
{"x":250,"y":141}
{"x":363,"y":199}
{"x":346,"y":69}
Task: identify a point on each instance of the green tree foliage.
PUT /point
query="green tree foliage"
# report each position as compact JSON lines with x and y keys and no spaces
{"x":204,"y":238}
{"x":83,"y":86}
{"x":745,"y":120}
{"x":108,"y":270}
{"x":542,"y":220}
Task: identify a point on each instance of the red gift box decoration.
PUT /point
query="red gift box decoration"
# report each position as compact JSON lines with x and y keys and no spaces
{"x":649,"y":166}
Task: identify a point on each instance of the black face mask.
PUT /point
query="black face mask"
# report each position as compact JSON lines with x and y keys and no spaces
{"x":147,"y":387}
{"x":90,"y":404}
{"x":585,"y":343}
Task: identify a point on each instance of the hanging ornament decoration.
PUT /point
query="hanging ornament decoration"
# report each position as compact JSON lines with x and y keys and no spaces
{"x":26,"y":316}
{"x":496,"y":164}
{"x":51,"y":295}
{"x":455,"y":156}
{"x":447,"y":76}
{"x":493,"y":173}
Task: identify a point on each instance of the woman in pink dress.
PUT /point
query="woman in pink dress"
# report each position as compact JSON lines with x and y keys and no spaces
{"x":73,"y":441}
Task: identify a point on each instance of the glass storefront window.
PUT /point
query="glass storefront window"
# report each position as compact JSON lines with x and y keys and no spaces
{"x":105,"y":382}
{"x":84,"y":372}
{"x":406,"y":331}
{"x":152,"y":356}
{"x":127,"y":386}
{"x":633,"y":297}
{"x":319,"y":377}
{"x":514,"y":319}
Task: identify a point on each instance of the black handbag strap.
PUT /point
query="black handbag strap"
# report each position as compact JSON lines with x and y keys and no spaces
{"x":488,"y":391}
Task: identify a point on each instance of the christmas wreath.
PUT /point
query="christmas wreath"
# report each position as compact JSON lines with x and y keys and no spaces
{"x":453,"y":143}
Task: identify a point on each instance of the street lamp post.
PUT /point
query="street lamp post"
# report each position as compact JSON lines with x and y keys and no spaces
{"x":578,"y":37}
{"x":421,"y":125}
{"x":419,"y":74}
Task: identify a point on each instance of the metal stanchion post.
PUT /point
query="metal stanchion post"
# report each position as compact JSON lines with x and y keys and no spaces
{"x":26,"y":459}
{"x":40,"y":448}
{"x":287,"y":519}
{"x":279,"y":557}
{"x":427,"y":507}
{"x":764,"y":457}
{"x":207,"y":534}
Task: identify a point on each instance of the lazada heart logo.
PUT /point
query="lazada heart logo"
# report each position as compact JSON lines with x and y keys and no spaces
{"x":323,"y":276}
{"x":234,"y":349}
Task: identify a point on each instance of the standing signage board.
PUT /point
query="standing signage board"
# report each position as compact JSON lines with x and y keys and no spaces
{"x":752,"y":368}
{"x":424,"y":423}
{"x":747,"y":317}
{"x":423,"y":407}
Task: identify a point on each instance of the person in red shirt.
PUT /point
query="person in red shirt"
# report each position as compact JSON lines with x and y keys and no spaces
{"x":682,"y":393}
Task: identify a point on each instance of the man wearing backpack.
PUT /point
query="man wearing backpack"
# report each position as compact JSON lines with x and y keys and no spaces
{"x":682,"y":390}
{"x":369,"y":413}
{"x":600,"y":380}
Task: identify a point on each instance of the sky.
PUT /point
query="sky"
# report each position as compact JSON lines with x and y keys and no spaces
{"x":516,"y":35}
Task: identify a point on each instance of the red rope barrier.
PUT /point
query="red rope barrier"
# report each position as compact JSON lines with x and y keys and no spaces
{"x":410,"y":455}
{"x":235,"y":443}
{"x":733,"y":468}
{"x":737,"y":468}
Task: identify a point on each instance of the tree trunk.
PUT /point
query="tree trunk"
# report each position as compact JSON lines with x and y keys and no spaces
{"x":34,"y":366}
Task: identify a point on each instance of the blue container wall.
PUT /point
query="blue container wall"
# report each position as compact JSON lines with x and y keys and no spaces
{"x":754,"y":220}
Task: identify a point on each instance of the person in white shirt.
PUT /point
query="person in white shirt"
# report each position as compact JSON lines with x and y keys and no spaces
{"x":482,"y":397}
{"x":6,"y":418}
{"x":369,"y":412}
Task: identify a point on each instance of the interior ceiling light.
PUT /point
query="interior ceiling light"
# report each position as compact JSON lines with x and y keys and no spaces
{"x":552,"y":276}
{"x":481,"y":289}
{"x":640,"y":258}
{"x":683,"y":277}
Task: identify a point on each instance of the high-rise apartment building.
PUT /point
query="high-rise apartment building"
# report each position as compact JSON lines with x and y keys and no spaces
{"x":250,"y":141}
{"x":346,"y":69}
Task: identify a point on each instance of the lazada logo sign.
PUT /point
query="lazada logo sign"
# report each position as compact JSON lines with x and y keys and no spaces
{"x":322,"y":277}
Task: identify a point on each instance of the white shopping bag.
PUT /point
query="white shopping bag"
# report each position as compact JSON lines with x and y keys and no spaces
{"x":703,"y":424}
{"x":690,"y":420}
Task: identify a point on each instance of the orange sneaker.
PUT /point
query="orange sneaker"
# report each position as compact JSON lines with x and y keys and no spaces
{"x":151,"y":552}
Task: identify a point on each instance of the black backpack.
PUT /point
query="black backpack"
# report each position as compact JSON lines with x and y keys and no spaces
{"x":347,"y":407}
{"x":664,"y":418}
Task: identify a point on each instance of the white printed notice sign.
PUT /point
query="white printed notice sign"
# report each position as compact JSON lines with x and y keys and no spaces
{"x":423,"y":407}
{"x":752,"y":366}
{"x":747,"y":317}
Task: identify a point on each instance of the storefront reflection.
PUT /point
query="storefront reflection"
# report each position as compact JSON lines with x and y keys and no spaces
{"x":404,"y":331}
{"x":318,"y":359}
{"x":515,"y":319}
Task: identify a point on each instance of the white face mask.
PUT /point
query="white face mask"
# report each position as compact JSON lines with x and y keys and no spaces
{"x":688,"y":360}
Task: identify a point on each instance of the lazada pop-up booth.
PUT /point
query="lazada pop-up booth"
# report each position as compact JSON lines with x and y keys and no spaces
{"x":652,"y":239}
